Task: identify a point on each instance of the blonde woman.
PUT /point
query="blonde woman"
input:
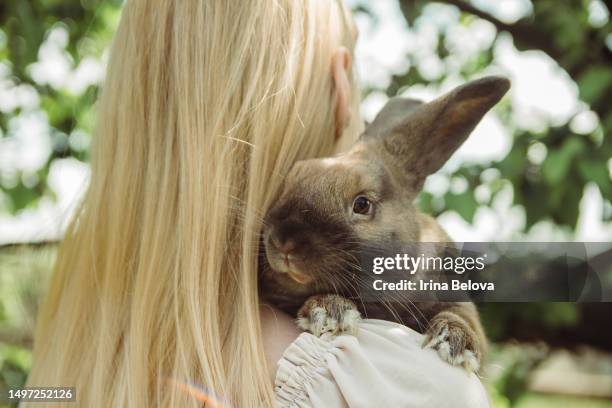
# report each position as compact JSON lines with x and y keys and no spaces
{"x":206,"y":105}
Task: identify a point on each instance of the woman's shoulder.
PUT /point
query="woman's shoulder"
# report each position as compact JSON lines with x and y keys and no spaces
{"x":279,"y":332}
{"x":383,"y":365}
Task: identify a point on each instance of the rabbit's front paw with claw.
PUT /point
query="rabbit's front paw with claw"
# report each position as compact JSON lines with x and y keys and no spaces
{"x":329,"y":313}
{"x":454,"y":340}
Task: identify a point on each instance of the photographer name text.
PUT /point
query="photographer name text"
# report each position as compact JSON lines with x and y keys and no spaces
{"x":422,"y":285}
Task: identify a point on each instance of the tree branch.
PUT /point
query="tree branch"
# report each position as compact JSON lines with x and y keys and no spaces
{"x":16,"y":336}
{"x":526,"y":36}
{"x":468,"y":8}
{"x":29,"y":245}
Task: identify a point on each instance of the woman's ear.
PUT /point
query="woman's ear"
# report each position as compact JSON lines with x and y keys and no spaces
{"x":340,"y":66}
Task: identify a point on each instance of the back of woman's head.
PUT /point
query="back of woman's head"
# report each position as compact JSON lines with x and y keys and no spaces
{"x":205,"y":106}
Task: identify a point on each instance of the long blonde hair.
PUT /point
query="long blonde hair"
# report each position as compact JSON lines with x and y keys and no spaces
{"x":205,"y":106}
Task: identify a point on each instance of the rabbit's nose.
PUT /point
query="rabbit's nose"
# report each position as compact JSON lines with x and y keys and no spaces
{"x":285,"y":246}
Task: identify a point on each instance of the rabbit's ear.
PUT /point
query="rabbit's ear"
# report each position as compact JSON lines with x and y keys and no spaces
{"x":421,"y":137}
{"x":391,"y":115}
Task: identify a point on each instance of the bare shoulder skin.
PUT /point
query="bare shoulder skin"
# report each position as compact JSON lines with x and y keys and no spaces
{"x":280,"y":331}
{"x":330,"y":210}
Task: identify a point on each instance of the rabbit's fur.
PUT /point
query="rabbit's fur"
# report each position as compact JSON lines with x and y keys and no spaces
{"x":313,"y":236}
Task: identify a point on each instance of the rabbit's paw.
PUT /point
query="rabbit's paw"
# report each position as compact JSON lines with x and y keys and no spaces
{"x":454,"y":340}
{"x":329,"y":313}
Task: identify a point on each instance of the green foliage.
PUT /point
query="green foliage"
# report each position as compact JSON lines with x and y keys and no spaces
{"x":595,"y":82}
{"x":532,"y":400}
{"x":550,"y":190}
{"x":23,"y":275}
{"x":15,"y":363}
{"x":501,"y":318}
{"x":24,"y":28}
{"x":464,"y":203}
{"x":511,"y":383}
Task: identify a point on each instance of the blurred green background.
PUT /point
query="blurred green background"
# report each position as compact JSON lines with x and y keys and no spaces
{"x":539,"y":167}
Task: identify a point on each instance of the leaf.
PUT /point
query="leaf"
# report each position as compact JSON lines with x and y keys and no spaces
{"x":411,"y":9}
{"x":536,"y":200}
{"x":513,"y":165}
{"x":424,"y":202}
{"x":597,"y":173}
{"x":12,"y":375}
{"x":22,"y":197}
{"x":557,"y":163}
{"x":464,"y":204}
{"x":595,"y":83}
{"x":567,"y":207}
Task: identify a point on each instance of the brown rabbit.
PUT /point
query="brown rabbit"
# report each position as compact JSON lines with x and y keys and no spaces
{"x":331,"y":209}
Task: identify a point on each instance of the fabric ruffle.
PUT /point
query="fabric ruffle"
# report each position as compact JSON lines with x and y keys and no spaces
{"x":304,"y":362}
{"x":384,"y":365}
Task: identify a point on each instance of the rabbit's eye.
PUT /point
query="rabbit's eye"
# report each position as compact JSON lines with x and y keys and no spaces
{"x":361,"y":205}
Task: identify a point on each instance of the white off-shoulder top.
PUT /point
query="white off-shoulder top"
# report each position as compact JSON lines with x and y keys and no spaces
{"x":383,"y":366}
